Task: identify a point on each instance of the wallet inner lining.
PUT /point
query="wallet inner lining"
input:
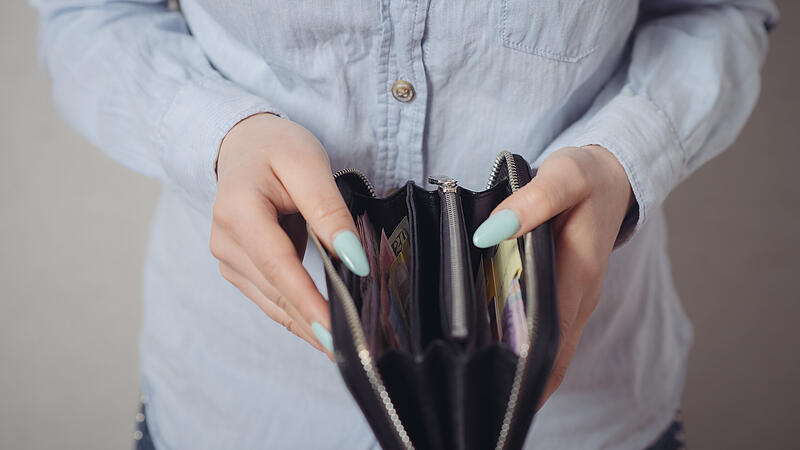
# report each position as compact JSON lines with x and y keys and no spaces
{"x":497,"y":274}
{"x":397,"y":301}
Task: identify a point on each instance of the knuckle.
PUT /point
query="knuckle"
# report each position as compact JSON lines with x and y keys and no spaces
{"x":565,"y":324}
{"x":232,"y":209}
{"x":290,"y":325}
{"x":271,"y":269}
{"x":282,"y":302}
{"x":541,"y":196}
{"x":558,"y":374}
{"x":226,"y":272}
{"x":329,"y":211}
{"x":223,"y":213}
{"x":550,"y":200}
{"x":576,"y":172}
{"x":215,"y":244}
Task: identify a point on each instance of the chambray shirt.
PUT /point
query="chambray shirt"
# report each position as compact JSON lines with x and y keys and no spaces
{"x":665,"y":85}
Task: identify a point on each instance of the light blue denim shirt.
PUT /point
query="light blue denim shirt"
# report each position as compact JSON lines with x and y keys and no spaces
{"x":665,"y":85}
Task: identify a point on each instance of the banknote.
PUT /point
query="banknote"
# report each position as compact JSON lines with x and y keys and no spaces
{"x":515,"y":325}
{"x":369,"y":286}
{"x":384,"y":293}
{"x":400,"y":285}
{"x":503,"y":297}
{"x":507,"y":266}
{"x":386,"y":258}
{"x":399,"y":237}
{"x":395,"y":279}
{"x":399,"y":272}
{"x":397,"y":323}
{"x":491,"y":302}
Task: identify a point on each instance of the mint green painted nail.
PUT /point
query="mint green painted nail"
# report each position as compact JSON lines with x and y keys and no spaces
{"x":323,"y":335}
{"x":351,"y":253}
{"x":496,"y":229}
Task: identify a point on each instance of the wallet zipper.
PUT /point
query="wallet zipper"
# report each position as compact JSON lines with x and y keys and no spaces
{"x":458,"y":310}
{"x":354,"y":324}
{"x":530,"y":288}
{"x":360,"y":175}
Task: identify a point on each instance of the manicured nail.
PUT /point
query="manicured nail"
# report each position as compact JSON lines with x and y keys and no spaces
{"x":351,"y":253}
{"x":323,"y":335}
{"x":496,"y":229}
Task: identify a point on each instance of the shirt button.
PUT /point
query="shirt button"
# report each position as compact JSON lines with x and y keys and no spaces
{"x":403,"y":91}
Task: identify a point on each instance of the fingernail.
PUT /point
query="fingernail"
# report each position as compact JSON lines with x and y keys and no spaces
{"x":496,"y":229}
{"x":351,"y":253}
{"x":323,"y":335}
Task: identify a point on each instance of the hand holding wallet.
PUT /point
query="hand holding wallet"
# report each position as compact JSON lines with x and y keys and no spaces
{"x":444,"y":345}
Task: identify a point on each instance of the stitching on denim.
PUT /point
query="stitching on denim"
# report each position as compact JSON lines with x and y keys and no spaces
{"x":505,"y":37}
{"x":425,"y":56}
{"x":416,"y":111}
{"x":383,"y":63}
{"x":547,"y":53}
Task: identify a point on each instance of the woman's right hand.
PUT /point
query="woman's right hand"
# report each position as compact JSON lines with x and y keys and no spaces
{"x":269,"y":168}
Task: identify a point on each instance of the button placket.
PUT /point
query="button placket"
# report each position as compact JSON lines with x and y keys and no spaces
{"x":399,"y":146}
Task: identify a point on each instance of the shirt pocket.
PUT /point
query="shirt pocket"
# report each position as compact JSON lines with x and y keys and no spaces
{"x":561,"y":30}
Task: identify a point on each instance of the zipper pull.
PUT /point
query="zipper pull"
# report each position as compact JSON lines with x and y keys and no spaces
{"x":455,"y":256}
{"x":446,"y":183}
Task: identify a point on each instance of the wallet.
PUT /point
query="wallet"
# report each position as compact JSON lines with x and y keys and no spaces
{"x":443,"y":345}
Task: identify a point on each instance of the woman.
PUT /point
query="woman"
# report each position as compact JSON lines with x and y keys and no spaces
{"x":244,"y":116}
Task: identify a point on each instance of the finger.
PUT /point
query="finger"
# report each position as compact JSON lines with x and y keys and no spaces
{"x":565,"y":354}
{"x":557,"y":186}
{"x":569,"y":347}
{"x":322,"y":206}
{"x":272,"y":310}
{"x":257,"y":232}
{"x":578,"y":275}
{"x":235,"y":259}
{"x":228,"y":250}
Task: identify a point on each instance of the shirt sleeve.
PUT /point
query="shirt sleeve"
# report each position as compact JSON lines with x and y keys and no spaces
{"x":131,"y":78}
{"x":681,"y":96}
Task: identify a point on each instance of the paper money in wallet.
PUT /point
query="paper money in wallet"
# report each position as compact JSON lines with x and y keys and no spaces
{"x":369,"y":285}
{"x":515,"y":325}
{"x":399,"y":272}
{"x":386,"y":260}
{"x":491,"y":302}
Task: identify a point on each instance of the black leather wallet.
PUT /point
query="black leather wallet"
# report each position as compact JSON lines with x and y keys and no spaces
{"x":431,"y":352}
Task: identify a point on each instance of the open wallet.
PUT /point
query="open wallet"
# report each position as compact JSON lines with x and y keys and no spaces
{"x":443,"y":345}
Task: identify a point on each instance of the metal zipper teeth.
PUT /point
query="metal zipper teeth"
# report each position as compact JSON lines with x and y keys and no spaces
{"x":354,"y":325}
{"x":511,"y":165}
{"x":458,"y":313}
{"x":531,"y":288}
{"x":358,"y":173}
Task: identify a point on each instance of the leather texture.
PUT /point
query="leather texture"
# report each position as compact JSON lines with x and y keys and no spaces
{"x":444,"y":392}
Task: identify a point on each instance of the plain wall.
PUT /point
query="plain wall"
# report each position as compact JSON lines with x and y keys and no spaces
{"x":73,"y":227}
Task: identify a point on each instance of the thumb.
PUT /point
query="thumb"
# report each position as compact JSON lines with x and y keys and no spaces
{"x":310,"y":184}
{"x":548,"y":194}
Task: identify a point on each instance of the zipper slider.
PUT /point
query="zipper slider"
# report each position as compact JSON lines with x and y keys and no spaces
{"x":455,"y":256}
{"x":446,"y":183}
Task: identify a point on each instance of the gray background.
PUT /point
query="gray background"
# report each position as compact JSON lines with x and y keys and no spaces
{"x":73,"y":227}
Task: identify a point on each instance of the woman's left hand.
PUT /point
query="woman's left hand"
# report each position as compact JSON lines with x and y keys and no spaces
{"x":587,"y":191}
